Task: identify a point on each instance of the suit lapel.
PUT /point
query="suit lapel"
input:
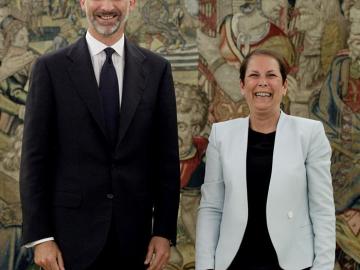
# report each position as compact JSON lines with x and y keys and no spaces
{"x":133,"y":86}
{"x":82,"y":74}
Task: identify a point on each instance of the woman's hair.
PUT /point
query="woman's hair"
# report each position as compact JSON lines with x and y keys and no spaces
{"x":282,"y":64}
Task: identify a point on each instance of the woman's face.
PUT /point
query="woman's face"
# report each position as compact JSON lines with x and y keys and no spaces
{"x":263,"y":88}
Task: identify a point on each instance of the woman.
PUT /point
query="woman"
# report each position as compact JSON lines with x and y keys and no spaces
{"x":267,"y":200}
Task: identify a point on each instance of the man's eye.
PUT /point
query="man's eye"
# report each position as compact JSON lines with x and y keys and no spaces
{"x":272,"y":75}
{"x":253,"y":75}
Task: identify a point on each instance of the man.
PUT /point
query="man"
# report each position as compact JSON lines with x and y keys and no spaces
{"x":100,"y":168}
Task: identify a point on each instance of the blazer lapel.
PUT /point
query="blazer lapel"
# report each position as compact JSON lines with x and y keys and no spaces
{"x":282,"y":146}
{"x":241,"y":184}
{"x":133,"y":86}
{"x":82,"y":74}
{"x":284,"y":151}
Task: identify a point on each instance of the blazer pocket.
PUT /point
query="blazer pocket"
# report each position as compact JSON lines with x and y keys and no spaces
{"x":67,"y":199}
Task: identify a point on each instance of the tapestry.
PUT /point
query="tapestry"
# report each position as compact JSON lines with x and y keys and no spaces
{"x":205,"y":42}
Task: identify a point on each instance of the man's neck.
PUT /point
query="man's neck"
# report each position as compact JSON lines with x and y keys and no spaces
{"x":107,"y":40}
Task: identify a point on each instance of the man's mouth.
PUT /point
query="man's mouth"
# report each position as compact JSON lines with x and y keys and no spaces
{"x":263,"y":94}
{"x":106,"y":16}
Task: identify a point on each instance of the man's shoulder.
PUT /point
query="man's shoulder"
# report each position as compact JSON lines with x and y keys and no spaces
{"x":62,"y":52}
{"x":151,"y":56}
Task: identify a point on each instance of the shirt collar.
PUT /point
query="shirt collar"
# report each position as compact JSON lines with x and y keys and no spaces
{"x":96,"y":47}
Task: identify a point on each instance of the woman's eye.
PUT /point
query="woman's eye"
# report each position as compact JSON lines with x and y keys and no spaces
{"x":253,"y":75}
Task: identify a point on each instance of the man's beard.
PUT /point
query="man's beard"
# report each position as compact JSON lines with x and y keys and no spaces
{"x":108,"y":30}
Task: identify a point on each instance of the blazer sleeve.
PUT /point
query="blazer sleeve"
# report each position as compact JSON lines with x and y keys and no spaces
{"x":321,"y":201}
{"x":37,"y":156}
{"x":211,"y":207}
{"x":167,"y":155}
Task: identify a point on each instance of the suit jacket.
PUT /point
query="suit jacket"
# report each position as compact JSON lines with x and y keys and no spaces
{"x":73,"y":183}
{"x":299,"y":211}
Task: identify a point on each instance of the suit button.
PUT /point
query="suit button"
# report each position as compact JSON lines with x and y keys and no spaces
{"x":290,"y":214}
{"x":110,"y":196}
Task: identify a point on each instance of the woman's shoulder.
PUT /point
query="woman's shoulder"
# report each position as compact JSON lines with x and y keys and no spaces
{"x":231,"y":124}
{"x":303,"y":122}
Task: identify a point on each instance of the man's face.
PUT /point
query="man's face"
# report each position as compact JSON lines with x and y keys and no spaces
{"x":354,"y":38}
{"x":107,"y":18}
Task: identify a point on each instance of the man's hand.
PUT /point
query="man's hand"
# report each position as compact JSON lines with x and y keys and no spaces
{"x":158,"y":253}
{"x":48,"y":256}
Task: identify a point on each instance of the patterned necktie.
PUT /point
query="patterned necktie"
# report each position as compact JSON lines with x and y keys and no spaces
{"x":109,"y":91}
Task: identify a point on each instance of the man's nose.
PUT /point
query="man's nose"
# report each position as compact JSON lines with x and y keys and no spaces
{"x":107,"y":4}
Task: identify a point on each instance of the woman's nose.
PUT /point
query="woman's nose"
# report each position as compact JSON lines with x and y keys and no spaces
{"x":263,"y":83}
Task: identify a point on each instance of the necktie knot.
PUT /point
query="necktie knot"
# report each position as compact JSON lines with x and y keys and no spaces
{"x":109,"y":52}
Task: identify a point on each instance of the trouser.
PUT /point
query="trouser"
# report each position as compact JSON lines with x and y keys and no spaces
{"x":111,"y":258}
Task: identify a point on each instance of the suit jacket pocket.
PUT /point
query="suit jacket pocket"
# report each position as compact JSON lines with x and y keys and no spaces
{"x":67,"y":199}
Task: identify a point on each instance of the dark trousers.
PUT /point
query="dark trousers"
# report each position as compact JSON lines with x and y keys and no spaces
{"x":112,"y":258}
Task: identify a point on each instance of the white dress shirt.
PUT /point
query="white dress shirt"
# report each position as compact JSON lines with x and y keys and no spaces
{"x":98,"y":57}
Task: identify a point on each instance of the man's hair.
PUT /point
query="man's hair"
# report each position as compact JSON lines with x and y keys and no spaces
{"x":280,"y":59}
{"x":191,"y":99}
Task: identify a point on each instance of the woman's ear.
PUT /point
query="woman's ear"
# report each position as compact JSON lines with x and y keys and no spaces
{"x":242,"y":87}
{"x":285,"y":87}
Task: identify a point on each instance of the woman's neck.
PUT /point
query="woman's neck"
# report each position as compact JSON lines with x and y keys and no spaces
{"x":264,"y":123}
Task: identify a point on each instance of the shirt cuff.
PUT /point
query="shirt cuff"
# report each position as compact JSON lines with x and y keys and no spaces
{"x":32,"y":244}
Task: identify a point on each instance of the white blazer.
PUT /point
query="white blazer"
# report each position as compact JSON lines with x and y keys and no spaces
{"x":300,"y":210}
